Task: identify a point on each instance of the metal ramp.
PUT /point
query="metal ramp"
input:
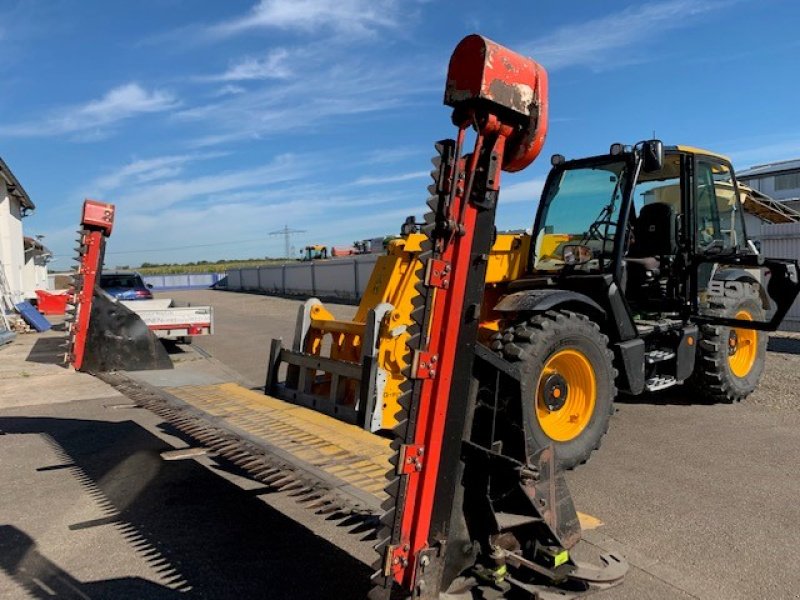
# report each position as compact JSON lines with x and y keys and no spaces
{"x":766,"y":208}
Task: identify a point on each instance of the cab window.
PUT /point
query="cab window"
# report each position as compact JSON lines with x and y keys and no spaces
{"x":719,"y":223}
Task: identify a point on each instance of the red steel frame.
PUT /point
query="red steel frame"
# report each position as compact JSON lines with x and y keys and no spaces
{"x":90,"y":259}
{"x":97,"y":220}
{"x":445,"y":324}
{"x":481,"y":74}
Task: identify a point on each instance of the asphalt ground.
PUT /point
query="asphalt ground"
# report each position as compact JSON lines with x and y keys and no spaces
{"x":702,"y":500}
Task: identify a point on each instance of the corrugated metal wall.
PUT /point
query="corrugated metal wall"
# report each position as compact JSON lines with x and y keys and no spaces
{"x":783,"y":241}
{"x":344,"y":278}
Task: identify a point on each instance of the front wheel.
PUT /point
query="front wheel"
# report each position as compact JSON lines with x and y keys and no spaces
{"x":567,"y":387}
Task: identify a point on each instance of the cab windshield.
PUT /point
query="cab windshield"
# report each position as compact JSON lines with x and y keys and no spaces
{"x":578,"y":223}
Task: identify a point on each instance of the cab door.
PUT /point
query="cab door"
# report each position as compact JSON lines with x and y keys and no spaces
{"x":732,"y":284}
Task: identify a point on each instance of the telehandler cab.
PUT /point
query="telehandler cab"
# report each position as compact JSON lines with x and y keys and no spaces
{"x":638,"y":276}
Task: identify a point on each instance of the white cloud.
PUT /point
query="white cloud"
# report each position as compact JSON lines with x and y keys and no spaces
{"x":756,"y":153}
{"x":273,"y":66}
{"x":522,"y":191}
{"x":91,"y":118}
{"x":229,"y":90}
{"x":594,"y":43}
{"x":391,"y":178}
{"x":145,"y":171}
{"x":214,"y":188}
{"x":138,"y":235}
{"x":324,"y":94}
{"x":354,"y":17}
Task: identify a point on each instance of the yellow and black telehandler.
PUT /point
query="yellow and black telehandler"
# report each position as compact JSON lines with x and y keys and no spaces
{"x":638,"y":276}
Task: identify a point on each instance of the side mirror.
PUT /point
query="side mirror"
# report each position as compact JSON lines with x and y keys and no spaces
{"x":150,"y":286}
{"x":652,"y":155}
{"x":576,"y":254}
{"x":409,"y":226}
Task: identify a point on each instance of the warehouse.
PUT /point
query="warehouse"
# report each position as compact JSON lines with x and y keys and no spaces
{"x":778,"y":180}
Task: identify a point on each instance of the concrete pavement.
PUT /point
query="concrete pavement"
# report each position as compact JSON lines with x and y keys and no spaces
{"x":700,"y":499}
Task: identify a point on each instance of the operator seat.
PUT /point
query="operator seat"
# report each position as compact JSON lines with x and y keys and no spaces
{"x":653,"y":248}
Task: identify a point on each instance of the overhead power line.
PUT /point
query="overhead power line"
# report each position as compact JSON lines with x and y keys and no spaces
{"x":287,"y":238}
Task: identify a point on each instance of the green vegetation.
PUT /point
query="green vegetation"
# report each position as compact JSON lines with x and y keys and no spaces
{"x":202,"y":266}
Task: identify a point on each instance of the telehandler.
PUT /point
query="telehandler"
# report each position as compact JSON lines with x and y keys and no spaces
{"x":638,"y":276}
{"x":459,"y":504}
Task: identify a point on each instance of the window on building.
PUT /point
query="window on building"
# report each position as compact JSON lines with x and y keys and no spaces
{"x":787,"y":181}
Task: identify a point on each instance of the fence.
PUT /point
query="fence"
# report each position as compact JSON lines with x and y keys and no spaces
{"x":783,"y":241}
{"x":343,"y":278}
{"x":182,"y":280}
{"x":347,"y":278}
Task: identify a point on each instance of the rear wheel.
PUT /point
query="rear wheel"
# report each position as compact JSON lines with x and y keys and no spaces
{"x":730,"y":360}
{"x":568,"y":382}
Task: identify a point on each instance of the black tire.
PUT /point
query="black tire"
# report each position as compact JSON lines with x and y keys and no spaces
{"x":533,"y":342}
{"x":713,"y":380}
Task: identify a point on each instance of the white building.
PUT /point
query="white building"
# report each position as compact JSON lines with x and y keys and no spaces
{"x":778,"y":180}
{"x":14,"y":206}
{"x":34,"y":273}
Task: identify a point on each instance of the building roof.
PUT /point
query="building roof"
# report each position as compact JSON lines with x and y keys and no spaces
{"x":15,"y":187}
{"x":32,"y":245}
{"x":771,"y":168}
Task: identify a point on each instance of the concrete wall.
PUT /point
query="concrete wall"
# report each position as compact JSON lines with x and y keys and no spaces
{"x":12,"y":252}
{"x":344,"y":278}
{"x":347,"y":278}
{"x":783,"y":241}
{"x":182,"y":281}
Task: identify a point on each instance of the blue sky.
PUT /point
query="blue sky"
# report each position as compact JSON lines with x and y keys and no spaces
{"x":210,"y":124}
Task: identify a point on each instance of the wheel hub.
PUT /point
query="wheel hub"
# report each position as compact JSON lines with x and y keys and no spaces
{"x":565,"y":394}
{"x":554,"y":392}
{"x":733,"y":342}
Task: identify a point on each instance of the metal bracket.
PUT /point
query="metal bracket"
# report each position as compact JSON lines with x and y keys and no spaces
{"x":424,"y":365}
{"x":396,"y":557}
{"x":410,"y":459}
{"x":437,"y":273}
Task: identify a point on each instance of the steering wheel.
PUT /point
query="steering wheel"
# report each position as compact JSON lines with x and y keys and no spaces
{"x":594,"y":229}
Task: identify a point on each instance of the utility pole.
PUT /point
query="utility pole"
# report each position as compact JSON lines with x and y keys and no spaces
{"x":287,"y":238}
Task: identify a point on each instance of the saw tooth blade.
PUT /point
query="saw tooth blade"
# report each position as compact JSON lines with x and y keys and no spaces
{"x":402,"y":433}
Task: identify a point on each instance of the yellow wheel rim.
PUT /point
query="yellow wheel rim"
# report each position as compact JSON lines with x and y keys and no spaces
{"x":742,"y":347}
{"x":571,"y":399}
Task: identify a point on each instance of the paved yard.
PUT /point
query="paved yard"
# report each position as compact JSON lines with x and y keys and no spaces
{"x":701,"y":499}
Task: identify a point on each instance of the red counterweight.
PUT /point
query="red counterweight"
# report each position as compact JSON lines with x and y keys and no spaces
{"x":483,"y":74}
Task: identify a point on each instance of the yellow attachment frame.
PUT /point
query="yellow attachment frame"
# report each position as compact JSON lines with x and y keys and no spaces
{"x":393,"y":281}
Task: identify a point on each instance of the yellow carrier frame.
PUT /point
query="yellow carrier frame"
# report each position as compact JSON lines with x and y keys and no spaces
{"x":352,"y":370}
